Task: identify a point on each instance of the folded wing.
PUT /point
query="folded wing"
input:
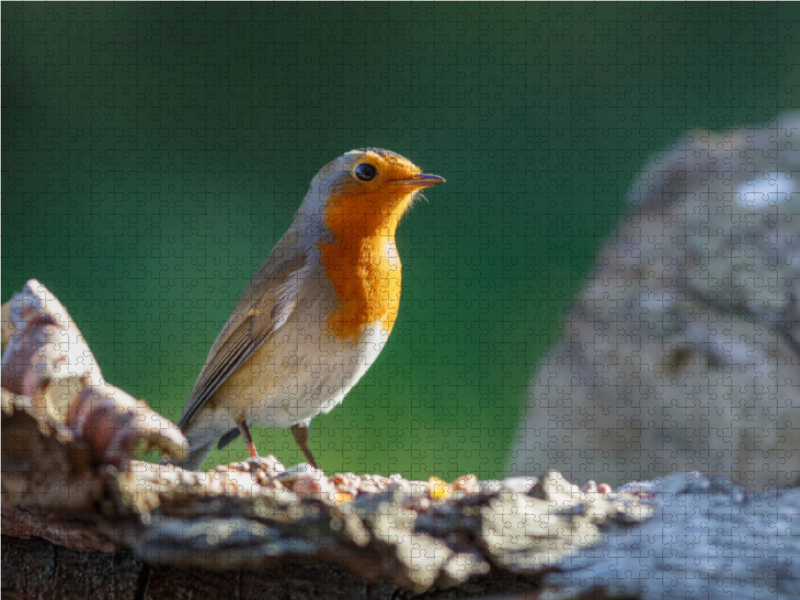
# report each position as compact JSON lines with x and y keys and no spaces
{"x":265,"y":305}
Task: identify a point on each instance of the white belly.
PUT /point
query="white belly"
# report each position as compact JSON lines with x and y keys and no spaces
{"x":300,"y":371}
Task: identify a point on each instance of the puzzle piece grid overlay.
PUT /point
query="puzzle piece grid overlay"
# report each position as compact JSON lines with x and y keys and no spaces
{"x":153,"y":155}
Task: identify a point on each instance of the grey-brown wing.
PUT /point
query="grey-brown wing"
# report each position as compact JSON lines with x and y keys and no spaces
{"x":269,"y":299}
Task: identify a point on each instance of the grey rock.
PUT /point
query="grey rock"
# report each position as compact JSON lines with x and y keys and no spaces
{"x":682,"y":352}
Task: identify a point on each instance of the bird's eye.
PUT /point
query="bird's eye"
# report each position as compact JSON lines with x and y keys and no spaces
{"x":366,"y":172}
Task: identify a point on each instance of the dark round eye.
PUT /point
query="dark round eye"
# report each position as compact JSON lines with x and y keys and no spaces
{"x":366,"y":172}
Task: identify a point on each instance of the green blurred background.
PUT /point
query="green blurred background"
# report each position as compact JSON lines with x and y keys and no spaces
{"x":153,"y":153}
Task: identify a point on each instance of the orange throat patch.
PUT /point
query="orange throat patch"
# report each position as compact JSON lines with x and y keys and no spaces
{"x":367,"y":282}
{"x":362,"y":264}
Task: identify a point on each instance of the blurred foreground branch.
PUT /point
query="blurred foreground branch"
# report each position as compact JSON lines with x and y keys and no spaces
{"x":48,"y":368}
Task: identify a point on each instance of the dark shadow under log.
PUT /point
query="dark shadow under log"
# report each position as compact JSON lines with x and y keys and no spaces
{"x":36,"y":568}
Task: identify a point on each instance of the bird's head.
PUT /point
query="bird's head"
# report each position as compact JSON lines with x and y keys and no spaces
{"x":366,"y":192}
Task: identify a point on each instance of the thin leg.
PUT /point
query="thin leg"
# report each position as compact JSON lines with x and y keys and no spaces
{"x":248,"y":439}
{"x":300,"y":433}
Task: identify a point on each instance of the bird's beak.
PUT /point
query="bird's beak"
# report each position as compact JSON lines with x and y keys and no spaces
{"x":421,"y":181}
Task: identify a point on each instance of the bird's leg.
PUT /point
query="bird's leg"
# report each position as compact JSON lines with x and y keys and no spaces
{"x":248,"y":439}
{"x":300,"y":433}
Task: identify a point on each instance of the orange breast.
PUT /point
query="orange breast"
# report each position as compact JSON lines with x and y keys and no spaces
{"x":367,"y":280}
{"x":367,"y":285}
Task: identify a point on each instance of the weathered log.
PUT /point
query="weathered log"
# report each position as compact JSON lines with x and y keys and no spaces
{"x":248,"y":516}
{"x":684,"y":536}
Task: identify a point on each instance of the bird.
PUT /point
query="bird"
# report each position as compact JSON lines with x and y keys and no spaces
{"x":317,"y":313}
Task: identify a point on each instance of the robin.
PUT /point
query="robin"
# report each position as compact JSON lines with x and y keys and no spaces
{"x":316,"y":314}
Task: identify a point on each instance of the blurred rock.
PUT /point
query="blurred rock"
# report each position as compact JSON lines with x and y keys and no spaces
{"x":683,"y":351}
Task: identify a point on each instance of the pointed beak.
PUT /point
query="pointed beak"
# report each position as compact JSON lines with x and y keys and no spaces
{"x":423,"y":180}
